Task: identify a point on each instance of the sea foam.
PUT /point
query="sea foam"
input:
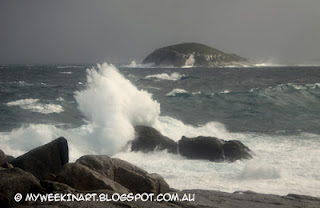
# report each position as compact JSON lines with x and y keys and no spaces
{"x":164,"y":76}
{"x":35,"y":106}
{"x":113,"y":105}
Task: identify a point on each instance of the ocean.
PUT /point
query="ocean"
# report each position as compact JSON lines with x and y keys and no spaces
{"x":274,"y":110}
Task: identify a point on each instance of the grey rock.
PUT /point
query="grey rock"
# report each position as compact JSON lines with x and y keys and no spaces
{"x":44,"y":160}
{"x":81,"y":177}
{"x":235,"y":150}
{"x":135,"y":182}
{"x":99,"y":163}
{"x":161,"y":185}
{"x":118,"y":163}
{"x":13,"y":181}
{"x":208,"y":148}
{"x":213,"y":149}
{"x":128,"y":175}
{"x":148,"y":139}
{"x":56,"y":187}
{"x":10,"y":158}
{"x":3,"y":159}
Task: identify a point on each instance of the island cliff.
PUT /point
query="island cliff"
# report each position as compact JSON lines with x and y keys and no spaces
{"x":193,"y":54}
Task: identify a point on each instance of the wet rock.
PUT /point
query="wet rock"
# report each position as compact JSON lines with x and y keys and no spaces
{"x":99,"y":163}
{"x":81,"y":177}
{"x":148,"y":139}
{"x":208,"y":148}
{"x":3,"y":159}
{"x":13,"y":181}
{"x":213,"y":149}
{"x":44,"y":160}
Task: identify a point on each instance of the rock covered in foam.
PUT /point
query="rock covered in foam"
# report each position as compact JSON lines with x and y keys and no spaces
{"x":213,"y":149}
{"x":148,"y":139}
{"x":44,"y":160}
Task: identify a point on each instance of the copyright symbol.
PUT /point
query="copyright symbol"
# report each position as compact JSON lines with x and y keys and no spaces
{"x":18,"y":197}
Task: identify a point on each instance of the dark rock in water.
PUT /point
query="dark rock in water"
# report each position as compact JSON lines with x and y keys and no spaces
{"x":44,"y":160}
{"x":83,"y":178}
{"x":13,"y":181}
{"x":235,"y":150}
{"x":209,"y":148}
{"x":213,"y":149}
{"x":148,"y":139}
{"x":193,"y":54}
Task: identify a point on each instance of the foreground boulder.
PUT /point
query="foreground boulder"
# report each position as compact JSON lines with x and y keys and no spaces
{"x":213,"y":149}
{"x":3,"y":159}
{"x":13,"y":181}
{"x":83,"y":178}
{"x":44,"y":160}
{"x":148,"y":139}
{"x":130,"y":176}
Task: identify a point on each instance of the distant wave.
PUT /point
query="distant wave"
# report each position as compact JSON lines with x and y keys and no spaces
{"x":35,"y":106}
{"x":224,"y":92}
{"x":164,"y":76}
{"x":288,"y":86}
{"x":21,"y":83}
{"x":65,"y":72}
{"x":68,"y":66}
{"x":176,"y":92}
{"x":134,"y":64}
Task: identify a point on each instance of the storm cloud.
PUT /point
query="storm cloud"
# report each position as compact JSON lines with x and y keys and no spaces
{"x":118,"y":31}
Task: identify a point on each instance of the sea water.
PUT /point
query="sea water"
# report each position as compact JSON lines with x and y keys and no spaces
{"x":275,"y":111}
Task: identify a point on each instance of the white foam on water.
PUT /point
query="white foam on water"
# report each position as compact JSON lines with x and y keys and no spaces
{"x":175,"y":92}
{"x":224,"y":92}
{"x":281,"y":166}
{"x":35,"y":106}
{"x":67,"y":72}
{"x":112,"y":105}
{"x":133,"y":64}
{"x":164,"y":76}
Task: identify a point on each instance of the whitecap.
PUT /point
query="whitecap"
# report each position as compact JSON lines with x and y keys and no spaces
{"x":35,"y":106}
{"x":164,"y":76}
{"x":176,"y":92}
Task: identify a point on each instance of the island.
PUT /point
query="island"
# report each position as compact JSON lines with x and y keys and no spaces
{"x":193,"y":54}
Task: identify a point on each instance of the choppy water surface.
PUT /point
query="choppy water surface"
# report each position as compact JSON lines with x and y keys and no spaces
{"x":273,"y":110}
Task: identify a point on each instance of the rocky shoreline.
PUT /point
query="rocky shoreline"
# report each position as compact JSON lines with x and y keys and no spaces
{"x":46,"y":170}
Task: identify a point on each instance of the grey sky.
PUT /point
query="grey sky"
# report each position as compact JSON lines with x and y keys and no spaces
{"x":60,"y":31}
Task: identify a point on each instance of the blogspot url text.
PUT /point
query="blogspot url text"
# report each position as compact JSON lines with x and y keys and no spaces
{"x":105,"y":197}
